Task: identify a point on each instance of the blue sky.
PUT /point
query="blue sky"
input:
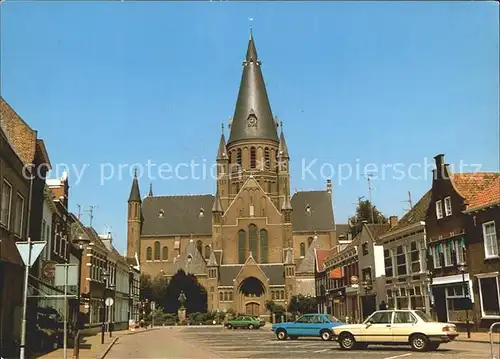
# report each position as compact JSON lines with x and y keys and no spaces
{"x":380,"y":83}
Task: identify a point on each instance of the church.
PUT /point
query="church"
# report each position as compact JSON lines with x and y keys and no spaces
{"x":251,"y":241}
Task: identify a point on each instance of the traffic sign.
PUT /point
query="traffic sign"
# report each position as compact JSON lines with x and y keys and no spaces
{"x":109,"y":302}
{"x":153,"y":305}
{"x":24,"y":248}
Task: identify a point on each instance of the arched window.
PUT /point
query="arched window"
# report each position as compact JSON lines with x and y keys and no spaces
{"x":230,"y":156}
{"x":207,"y":251}
{"x":241,"y":246}
{"x":266,"y":158}
{"x":263,"y":246}
{"x":238,"y":156}
{"x":164,"y":254}
{"x":157,"y":251}
{"x":252,"y":157}
{"x":149,"y":254}
{"x":221,"y":296}
{"x":226,"y":298}
{"x":199,"y":246}
{"x":252,"y":239}
{"x":309,"y":241}
{"x":302,"y":249}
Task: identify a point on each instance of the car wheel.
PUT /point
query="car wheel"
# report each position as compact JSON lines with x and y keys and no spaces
{"x":419,"y":342}
{"x":281,"y":334}
{"x":250,"y":326}
{"x":229,"y":326}
{"x":347,"y":341}
{"x":326,"y":335}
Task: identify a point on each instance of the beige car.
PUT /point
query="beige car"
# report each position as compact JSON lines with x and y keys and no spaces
{"x":395,"y":327}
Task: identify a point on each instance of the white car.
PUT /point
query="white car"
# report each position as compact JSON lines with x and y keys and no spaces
{"x":395,"y":327}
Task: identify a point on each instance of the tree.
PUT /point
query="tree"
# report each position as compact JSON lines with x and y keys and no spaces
{"x":368,"y":213}
{"x":146,"y":284}
{"x":195,"y":293}
{"x":301,"y":304}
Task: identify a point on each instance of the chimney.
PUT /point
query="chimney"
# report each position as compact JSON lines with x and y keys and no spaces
{"x":441,"y":168}
{"x":329,"y":185}
{"x":393,"y":220}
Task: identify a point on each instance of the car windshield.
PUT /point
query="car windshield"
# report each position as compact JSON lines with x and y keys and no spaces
{"x":424,"y":316}
{"x":331,"y":318}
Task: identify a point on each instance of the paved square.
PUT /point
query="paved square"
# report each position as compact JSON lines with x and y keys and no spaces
{"x":217,"y":342}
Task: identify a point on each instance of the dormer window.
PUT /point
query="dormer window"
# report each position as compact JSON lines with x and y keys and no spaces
{"x":202,"y":212}
{"x":161,"y":214}
{"x":439,"y":209}
{"x":308,"y":209}
{"x":447,"y":206}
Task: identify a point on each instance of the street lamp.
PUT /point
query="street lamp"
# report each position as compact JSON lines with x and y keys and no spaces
{"x":286,"y":311}
{"x":105,"y":276}
{"x":82,"y":243}
{"x":462,"y":268}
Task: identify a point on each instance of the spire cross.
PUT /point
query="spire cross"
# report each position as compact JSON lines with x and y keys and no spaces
{"x":222,"y":126}
{"x":135,"y":172}
{"x":251,"y":31}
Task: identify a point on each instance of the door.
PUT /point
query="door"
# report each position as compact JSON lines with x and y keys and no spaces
{"x":302,"y":326}
{"x":378,"y":328}
{"x":440,"y":303}
{"x":402,"y":326}
{"x":317,"y":324}
{"x":252,"y":309}
{"x":369,"y":305}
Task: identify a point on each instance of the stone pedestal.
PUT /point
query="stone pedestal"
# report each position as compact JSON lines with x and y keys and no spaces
{"x":182,"y":316}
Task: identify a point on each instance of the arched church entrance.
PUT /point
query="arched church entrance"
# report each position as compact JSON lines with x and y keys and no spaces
{"x":252,"y":291}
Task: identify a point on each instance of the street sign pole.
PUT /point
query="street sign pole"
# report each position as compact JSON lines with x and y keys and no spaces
{"x":29,"y":252}
{"x":25,"y":302}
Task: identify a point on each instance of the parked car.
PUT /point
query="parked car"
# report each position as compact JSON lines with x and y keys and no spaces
{"x":396,"y":327}
{"x":308,"y":325}
{"x":245,"y":321}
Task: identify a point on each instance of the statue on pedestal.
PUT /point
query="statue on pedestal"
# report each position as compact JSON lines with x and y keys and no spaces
{"x":182,"y":310}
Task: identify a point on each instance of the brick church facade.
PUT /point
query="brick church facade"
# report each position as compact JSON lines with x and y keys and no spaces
{"x":251,"y":241}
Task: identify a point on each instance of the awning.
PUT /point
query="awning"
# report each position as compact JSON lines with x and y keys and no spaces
{"x":336,"y":273}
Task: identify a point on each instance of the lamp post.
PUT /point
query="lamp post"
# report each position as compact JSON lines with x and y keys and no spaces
{"x":105,"y":276}
{"x":286,"y":311}
{"x":82,"y":243}
{"x":462,"y":270}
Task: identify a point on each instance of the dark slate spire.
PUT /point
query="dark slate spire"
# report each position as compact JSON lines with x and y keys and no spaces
{"x":222,"y":152}
{"x":283,"y":148}
{"x":253,"y":118}
{"x":217,"y":207}
{"x":135,"y":194}
{"x":150,"y":190}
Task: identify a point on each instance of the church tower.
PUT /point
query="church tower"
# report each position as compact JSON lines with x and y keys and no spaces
{"x":253,"y":144}
{"x":134,"y":219}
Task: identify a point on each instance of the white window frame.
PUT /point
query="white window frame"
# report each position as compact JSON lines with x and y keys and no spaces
{"x":439,"y":209}
{"x":494,"y":240}
{"x":435,"y":257}
{"x":488,"y":276}
{"x":447,"y":206}
{"x":447,"y":251}
{"x":6,"y":183}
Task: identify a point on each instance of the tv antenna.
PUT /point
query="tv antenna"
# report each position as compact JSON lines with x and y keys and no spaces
{"x":79,"y":210}
{"x":369,"y":178}
{"x":90,"y":211}
{"x":409,"y":201}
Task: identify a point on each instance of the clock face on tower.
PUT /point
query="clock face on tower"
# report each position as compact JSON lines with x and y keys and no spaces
{"x":252,"y":121}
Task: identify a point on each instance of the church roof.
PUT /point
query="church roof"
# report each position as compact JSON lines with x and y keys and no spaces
{"x":307,"y":263}
{"x":135,"y":193}
{"x":177,"y":215}
{"x":191,"y":260}
{"x":275,"y":273}
{"x":180,"y":215}
{"x":252,"y":102}
{"x":312,"y":211}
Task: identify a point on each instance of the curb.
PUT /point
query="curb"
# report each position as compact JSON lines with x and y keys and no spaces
{"x":474,"y":341}
{"x":103,"y":355}
{"x":115,"y":339}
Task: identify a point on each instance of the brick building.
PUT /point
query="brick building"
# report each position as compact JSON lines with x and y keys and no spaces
{"x":462,"y":230}
{"x":13,"y":227}
{"x":252,"y":241}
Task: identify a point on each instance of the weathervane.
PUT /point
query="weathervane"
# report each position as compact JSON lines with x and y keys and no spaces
{"x":251,"y":19}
